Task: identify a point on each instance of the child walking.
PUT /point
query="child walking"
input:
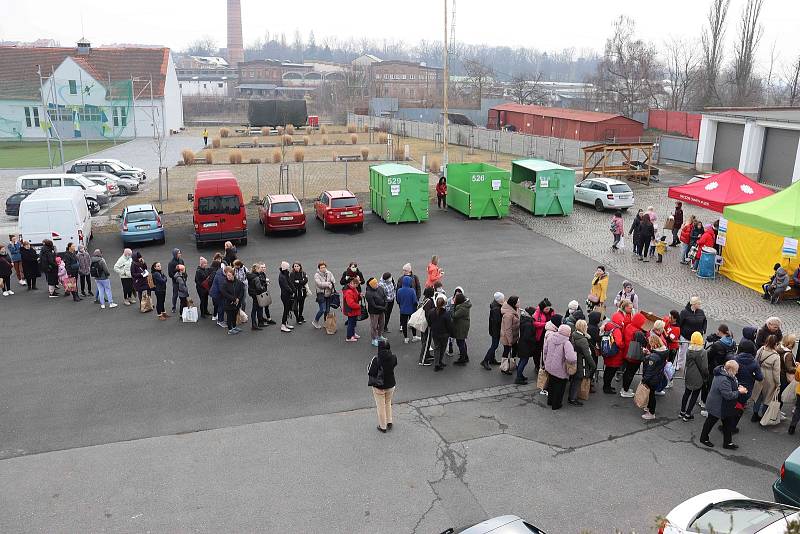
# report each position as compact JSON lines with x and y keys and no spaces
{"x":661,"y":248}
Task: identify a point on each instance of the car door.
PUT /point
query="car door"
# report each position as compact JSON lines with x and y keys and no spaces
{"x":600,"y":190}
{"x":582,"y":189}
{"x":324,"y":201}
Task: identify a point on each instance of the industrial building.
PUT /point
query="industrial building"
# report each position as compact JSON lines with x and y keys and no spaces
{"x":762,"y":143}
{"x":571,"y":124}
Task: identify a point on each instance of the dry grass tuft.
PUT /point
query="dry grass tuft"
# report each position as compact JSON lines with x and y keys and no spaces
{"x":255,"y":160}
{"x":224,"y":132}
{"x":323,"y":129}
{"x":209,"y":155}
{"x":290,"y":129}
{"x":351,"y":128}
{"x":254,"y":140}
{"x":216,"y":142}
{"x":299,"y":154}
{"x":280,"y":130}
{"x":366,"y":128}
{"x":306,"y":140}
{"x":324,"y":140}
{"x":187,"y":156}
{"x":434,"y":164}
{"x":276,"y":156}
{"x":353,"y":139}
{"x":235,"y":156}
{"x":364,"y":153}
{"x":287,"y":140}
{"x":382,"y":138}
{"x":265,"y":131}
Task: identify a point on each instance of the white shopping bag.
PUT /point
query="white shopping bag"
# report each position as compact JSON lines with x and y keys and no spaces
{"x":189,"y":315}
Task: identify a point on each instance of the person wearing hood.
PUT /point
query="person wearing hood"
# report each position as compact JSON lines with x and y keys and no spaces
{"x":30,"y":264}
{"x":415,"y":285}
{"x":525,"y":345}
{"x":160,"y":289}
{"x":769,"y":360}
{"x":100,"y":272}
{"x":287,"y":294}
{"x":440,"y":326}
{"x":324,"y":285}
{"x":140,"y":274}
{"x":778,"y":284}
{"x":647,"y":233}
{"x":544,"y":312}
{"x":598,"y":292}
{"x":6,"y":268}
{"x":574,"y":314}
{"x":177,"y":259}
{"x":232,"y":291}
{"x":653,"y":373}
{"x":255,"y":286}
{"x":47,"y":265}
{"x":748,"y":374}
{"x":509,"y":327}
{"x":722,"y":348}
{"x":183,"y":290}
{"x":617,"y":229}
{"x":556,"y":353}
{"x":633,"y":332}
{"x":691,"y":319}
{"x":386,"y":361}
{"x":123,"y":268}
{"x":352,"y":272}
{"x":376,"y":306}
{"x":635,"y":229}
{"x":696,"y":375}
{"x":203,"y":277}
{"x":772,"y":327}
{"x":218,"y":268}
{"x":84,"y":262}
{"x":722,"y":399}
{"x":581,"y":342}
{"x":460,"y":314}
{"x":627,"y":293}
{"x":495,"y":325}
{"x":407,"y":302}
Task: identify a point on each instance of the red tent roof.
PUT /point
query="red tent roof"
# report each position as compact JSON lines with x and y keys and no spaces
{"x":720,"y":190}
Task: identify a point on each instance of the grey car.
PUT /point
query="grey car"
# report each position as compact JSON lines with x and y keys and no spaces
{"x":504,"y":524}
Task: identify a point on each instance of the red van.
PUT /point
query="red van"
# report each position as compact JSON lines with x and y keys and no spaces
{"x":219,"y":210}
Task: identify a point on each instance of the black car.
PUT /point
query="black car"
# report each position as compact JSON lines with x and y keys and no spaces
{"x":13,"y":202}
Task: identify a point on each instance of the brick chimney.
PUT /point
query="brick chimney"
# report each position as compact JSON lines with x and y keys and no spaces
{"x":235,"y":42}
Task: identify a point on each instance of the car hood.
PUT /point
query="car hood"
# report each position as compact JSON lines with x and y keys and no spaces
{"x":504,"y":524}
{"x":683,"y":514}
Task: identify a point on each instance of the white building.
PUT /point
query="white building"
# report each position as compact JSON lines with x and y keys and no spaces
{"x":87,"y":92}
{"x":762,"y":143}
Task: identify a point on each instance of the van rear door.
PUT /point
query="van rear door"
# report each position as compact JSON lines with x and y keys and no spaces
{"x":218,"y":216}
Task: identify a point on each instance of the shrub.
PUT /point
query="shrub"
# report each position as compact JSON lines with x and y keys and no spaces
{"x":187,"y":156}
{"x":382,"y":138}
{"x":235,"y":156}
{"x":276,"y":156}
{"x":364,"y":153}
{"x":434,"y":164}
{"x":224,"y":132}
{"x":399,"y":153}
{"x":209,"y":157}
{"x":366,"y":128}
{"x":280,"y":130}
{"x":255,"y":160}
{"x":287,"y":140}
{"x":351,"y":128}
{"x":254,"y":140}
{"x":290,"y":129}
{"x":323,"y":129}
{"x":306,"y":140}
{"x":324,"y":140}
{"x":264,"y":131}
{"x":299,"y":154}
{"x":216,"y":142}
{"x":335,"y":155}
{"x":353,"y":139}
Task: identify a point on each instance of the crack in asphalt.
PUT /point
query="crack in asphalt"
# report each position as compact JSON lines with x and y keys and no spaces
{"x":425,"y":514}
{"x":735,"y":458}
{"x":612,"y":437}
{"x":500,"y":425}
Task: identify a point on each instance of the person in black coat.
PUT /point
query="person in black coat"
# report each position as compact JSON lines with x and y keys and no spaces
{"x":287,"y":294}
{"x":525,"y":345}
{"x":439,"y":328}
{"x":495,"y":320}
{"x":256,"y":286}
{"x":201,"y":274}
{"x":692,"y":319}
{"x":299,"y":280}
{"x":351,"y":272}
{"x":387,"y":361}
{"x":30,"y":264}
{"x":70,"y":258}
{"x":634,"y":230}
{"x":160,"y":289}
{"x":647,"y":233}
{"x":47,"y":264}
{"x":427,"y":303}
{"x":232,"y":292}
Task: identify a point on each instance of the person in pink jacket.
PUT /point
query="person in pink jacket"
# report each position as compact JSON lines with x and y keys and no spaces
{"x":557,"y":352}
{"x":544,"y":312}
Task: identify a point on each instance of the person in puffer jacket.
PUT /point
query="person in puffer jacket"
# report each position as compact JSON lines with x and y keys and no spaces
{"x":748,"y":374}
{"x":557,"y":351}
{"x":407,"y":301}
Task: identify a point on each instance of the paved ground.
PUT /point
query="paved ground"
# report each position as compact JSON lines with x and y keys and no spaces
{"x":114,"y":421}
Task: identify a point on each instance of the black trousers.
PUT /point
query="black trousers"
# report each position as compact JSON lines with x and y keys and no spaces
{"x":31,"y":281}
{"x":608,"y":376}
{"x":689,"y":400}
{"x":203,"y":302}
{"x":441,"y":201}
{"x":230,"y":317}
{"x":439,"y":345}
{"x":161,"y":296}
{"x":127,"y":288}
{"x":538,"y":345}
{"x":387,"y":314}
{"x":651,"y":400}
{"x":629,"y":373}
{"x":727,"y":427}
{"x":404,"y":325}
{"x":555,"y":391}
{"x":86,"y":282}
{"x":256,"y":313}
{"x":287,"y":307}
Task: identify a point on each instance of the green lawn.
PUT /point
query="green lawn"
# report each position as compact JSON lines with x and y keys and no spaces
{"x":19,"y":155}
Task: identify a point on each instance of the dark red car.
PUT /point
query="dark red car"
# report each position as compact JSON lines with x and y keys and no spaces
{"x":281,"y":212}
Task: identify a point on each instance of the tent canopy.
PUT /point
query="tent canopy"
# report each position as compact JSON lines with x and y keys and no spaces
{"x":724,"y":189}
{"x":778,"y":214}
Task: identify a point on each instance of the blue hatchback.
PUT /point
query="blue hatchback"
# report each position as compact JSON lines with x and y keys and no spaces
{"x":141,"y":223}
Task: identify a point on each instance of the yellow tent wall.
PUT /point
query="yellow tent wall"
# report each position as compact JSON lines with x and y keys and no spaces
{"x":749,"y":255}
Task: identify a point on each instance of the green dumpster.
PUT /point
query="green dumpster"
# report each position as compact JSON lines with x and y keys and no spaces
{"x":398,"y":192}
{"x":478,"y":189}
{"x":542,"y":187}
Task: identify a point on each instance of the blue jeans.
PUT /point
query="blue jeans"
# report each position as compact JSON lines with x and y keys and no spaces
{"x":324,"y":306}
{"x":492,"y":352}
{"x":219,"y":307}
{"x":104,"y":291}
{"x":351,"y":326}
{"x":684,"y":251}
{"x":521,"y":367}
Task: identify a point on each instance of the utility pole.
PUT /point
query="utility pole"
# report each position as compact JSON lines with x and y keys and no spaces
{"x":58,"y":113}
{"x":446,"y":80}
{"x":83,"y":108}
{"x":46,"y":117}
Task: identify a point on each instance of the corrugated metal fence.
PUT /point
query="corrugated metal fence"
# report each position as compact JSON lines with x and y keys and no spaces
{"x":677,"y":149}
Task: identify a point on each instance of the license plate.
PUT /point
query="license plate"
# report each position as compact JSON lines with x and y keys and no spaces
{"x":143,"y":227}
{"x":209,"y":225}
{"x":625,"y":197}
{"x":287,"y":218}
{"x":348,"y":213}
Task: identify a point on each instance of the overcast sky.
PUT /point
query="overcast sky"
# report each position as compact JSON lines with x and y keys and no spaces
{"x":546,"y":25}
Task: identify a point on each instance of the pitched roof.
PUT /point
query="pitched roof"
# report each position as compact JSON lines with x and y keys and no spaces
{"x":19,"y":78}
{"x":561,"y":113}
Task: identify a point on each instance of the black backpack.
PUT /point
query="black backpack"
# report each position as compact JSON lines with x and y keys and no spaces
{"x":94,"y":269}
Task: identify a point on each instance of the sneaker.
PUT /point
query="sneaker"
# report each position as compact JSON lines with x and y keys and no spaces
{"x":285,"y":328}
{"x":374,"y":342}
{"x":427,"y":363}
{"x":405,"y":340}
{"x":112,"y":305}
{"x":5,"y":293}
{"x":237,"y":329}
{"x":350,"y":339}
{"x":543,"y":392}
{"x":290,"y":327}
{"x":704,"y":413}
{"x":661,"y":393}
{"x":221,"y":324}
{"x":628,"y":394}
{"x":415,"y":339}
{"x":23,"y":283}
{"x":382,"y":339}
{"x":681,"y":414}
{"x":687,"y":417}
{"x":233,"y":332}
{"x":669,"y":385}
{"x":126,"y":302}
{"x":730,"y":446}
{"x":10,"y":292}
{"x":354,"y":335}
{"x":647,"y":416}
{"x":702,"y":404}
{"x":102,"y":306}
{"x":271,"y":322}
{"x":316,"y":325}
{"x":706,"y":442}
{"x":51,"y":295}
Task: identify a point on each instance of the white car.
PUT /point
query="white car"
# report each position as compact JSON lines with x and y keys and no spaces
{"x":103,"y":165}
{"x":604,"y":193}
{"x":727,"y":511}
{"x":126,"y":185}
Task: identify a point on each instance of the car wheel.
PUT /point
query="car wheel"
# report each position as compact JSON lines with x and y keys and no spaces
{"x":243,"y":242}
{"x":360,"y":226}
{"x":625,"y":210}
{"x":598,"y":205}
{"x":302,"y":230}
{"x":264,"y":226}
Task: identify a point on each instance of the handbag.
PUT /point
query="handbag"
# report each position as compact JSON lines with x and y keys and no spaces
{"x":374,"y":373}
{"x":789,"y":395}
{"x":635,"y":352}
{"x":70,"y":284}
{"x":621,"y":243}
{"x":585,"y":387}
{"x":264,"y":299}
{"x":541,"y":378}
{"x":571,"y":367}
{"x":335,"y":300}
{"x":773,"y":414}
{"x":669,"y":371}
{"x":146,"y":305}
{"x":189,"y":314}
{"x":364,"y":311}
{"x":150,"y":283}
{"x":508,"y":364}
{"x":594,"y":299}
{"x":241,"y":317}
{"x":641,"y":396}
{"x":330,"y":324}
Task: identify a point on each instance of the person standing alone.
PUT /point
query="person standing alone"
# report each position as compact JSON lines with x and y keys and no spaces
{"x":205,"y":143}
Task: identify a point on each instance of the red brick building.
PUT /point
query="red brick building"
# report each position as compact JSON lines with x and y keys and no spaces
{"x":409,"y":82}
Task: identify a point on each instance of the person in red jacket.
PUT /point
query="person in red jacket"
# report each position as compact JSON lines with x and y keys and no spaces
{"x":352,"y":308}
{"x":616,"y":327}
{"x":441,"y":193}
{"x":708,"y":239}
{"x":686,"y":238}
{"x":633,"y":331}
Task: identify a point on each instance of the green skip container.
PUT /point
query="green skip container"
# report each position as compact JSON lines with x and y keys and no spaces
{"x":478,"y":190}
{"x":542,"y":187}
{"x":398,"y":192}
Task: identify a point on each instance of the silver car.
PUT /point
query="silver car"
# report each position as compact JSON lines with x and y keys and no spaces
{"x":126,"y":185}
{"x":504,"y":524}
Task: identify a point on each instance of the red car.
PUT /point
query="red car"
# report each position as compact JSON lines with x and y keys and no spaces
{"x":281,"y":212}
{"x":338,"y":208}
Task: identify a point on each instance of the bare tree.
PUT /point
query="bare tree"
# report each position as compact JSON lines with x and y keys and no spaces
{"x":792,"y":80}
{"x":712,"y":40}
{"x":682,"y":65}
{"x":479,"y":76}
{"x":750,"y":32}
{"x":527,"y":89}
{"x":205,"y":46}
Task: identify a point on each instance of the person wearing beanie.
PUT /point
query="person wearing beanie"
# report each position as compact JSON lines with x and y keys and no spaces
{"x":509,"y":328}
{"x":697,"y":374}
{"x":287,"y":293}
{"x":376,"y":306}
{"x":556,"y":353}
{"x":574,"y":314}
{"x":389,"y":287}
{"x":525,"y":345}
{"x":495,"y":322}
{"x":415,"y":285}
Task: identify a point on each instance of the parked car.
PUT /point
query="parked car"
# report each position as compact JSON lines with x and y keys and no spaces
{"x":82,"y":166}
{"x":728,"y":511}
{"x":218,"y":210}
{"x":339,"y":208}
{"x":13,"y":202}
{"x":111,"y":186}
{"x":126,"y":185}
{"x":604,"y":193}
{"x":125,"y":166}
{"x":281,"y":213}
{"x":786,"y":489}
{"x":141,"y":223}
{"x":504,"y":524}
{"x":56,"y":213}
{"x":92,"y":191}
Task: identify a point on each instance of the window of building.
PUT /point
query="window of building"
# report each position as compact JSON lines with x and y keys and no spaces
{"x":180,"y":86}
{"x":73,"y":87}
{"x":204,"y":86}
{"x":123,"y":116}
{"x":219,"y":85}
{"x":410,"y":76}
{"x":90,"y":114}
{"x":252,"y":74}
{"x":28,"y":117}
{"x":36,"y":117}
{"x":403,"y":76}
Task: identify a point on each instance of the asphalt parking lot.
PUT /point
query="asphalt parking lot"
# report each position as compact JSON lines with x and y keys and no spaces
{"x":161,"y":400}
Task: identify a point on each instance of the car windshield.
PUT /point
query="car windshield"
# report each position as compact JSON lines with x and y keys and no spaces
{"x":141,"y":216}
{"x":344,"y":202}
{"x":620,"y":188}
{"x":740,"y":516}
{"x":284,"y":207}
{"x":221,"y":205}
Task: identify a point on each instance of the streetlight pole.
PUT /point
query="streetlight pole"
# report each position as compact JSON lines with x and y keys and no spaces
{"x":46,"y":117}
{"x":445,"y":84}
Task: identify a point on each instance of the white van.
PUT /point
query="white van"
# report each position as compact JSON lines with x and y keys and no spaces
{"x":56,"y":213}
{"x":92,"y":191}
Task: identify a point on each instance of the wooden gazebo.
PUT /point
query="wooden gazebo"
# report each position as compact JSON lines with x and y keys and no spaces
{"x":631,"y":161}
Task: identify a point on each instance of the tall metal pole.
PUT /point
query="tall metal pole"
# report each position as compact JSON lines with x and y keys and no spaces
{"x":446,"y":80}
{"x":58,"y":135}
{"x":46,"y":117}
{"x":113,"y":112}
{"x":83,"y":108}
{"x":133,"y":107}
